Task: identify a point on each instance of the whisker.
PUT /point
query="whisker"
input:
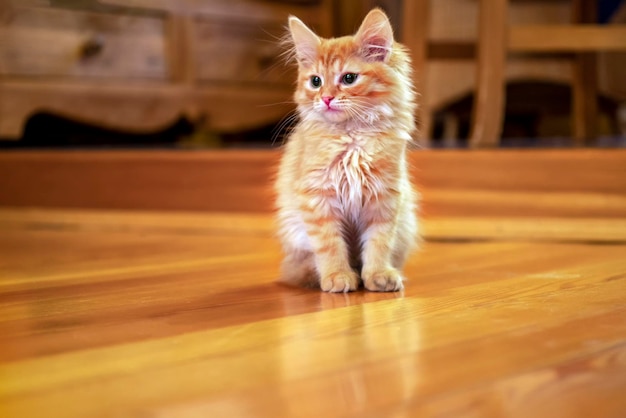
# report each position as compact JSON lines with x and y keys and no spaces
{"x":285,"y":124}
{"x":277,"y":103}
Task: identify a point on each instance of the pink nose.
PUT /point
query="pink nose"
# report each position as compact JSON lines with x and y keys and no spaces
{"x":327,"y":100}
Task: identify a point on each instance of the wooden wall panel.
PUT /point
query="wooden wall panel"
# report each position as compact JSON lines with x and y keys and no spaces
{"x":217,"y":181}
{"x":555,"y":183}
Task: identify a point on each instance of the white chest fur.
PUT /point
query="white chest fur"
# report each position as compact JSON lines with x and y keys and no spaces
{"x":352,"y":176}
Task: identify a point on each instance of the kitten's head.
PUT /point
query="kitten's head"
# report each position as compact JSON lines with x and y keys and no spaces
{"x":363,"y":79}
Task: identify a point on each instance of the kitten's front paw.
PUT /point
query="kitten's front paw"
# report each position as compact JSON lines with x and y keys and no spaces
{"x":340,"y":281}
{"x":384,"y":281}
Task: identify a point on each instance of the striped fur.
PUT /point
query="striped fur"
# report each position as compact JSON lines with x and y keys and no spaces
{"x":346,"y":208}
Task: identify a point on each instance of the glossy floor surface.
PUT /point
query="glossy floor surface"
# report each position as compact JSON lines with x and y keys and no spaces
{"x":130,"y":314}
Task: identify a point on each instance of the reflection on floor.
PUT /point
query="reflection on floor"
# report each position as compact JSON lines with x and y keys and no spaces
{"x":114,"y":313}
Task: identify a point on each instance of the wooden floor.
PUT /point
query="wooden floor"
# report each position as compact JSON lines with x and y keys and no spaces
{"x":136,"y":314}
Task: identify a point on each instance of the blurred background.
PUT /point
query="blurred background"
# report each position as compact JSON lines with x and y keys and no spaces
{"x":209,"y":73}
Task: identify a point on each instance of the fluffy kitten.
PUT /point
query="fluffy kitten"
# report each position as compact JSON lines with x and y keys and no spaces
{"x":345,"y":203}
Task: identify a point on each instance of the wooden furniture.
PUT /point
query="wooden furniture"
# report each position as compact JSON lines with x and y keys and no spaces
{"x":583,"y":38}
{"x":499,"y":34}
{"x":139,"y":65}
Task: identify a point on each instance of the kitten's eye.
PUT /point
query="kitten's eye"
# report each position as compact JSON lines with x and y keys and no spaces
{"x":349,"y":78}
{"x":316,"y":81}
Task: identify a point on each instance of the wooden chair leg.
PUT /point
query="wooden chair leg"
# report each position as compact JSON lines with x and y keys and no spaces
{"x":584,"y":97}
{"x":584,"y":80}
{"x":489,"y":102}
{"x":416,"y":15}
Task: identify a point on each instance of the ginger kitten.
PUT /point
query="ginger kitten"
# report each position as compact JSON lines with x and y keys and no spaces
{"x":346,"y":208}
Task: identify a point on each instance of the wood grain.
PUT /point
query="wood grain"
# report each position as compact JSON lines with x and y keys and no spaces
{"x":141,"y":107}
{"x":584,"y":79}
{"x":314,"y":13}
{"x":111,"y":313}
{"x":132,"y":47}
{"x":140,"y":66}
{"x":138,"y":107}
{"x":416,"y":16}
{"x":489,"y":100}
{"x":567,"y":38}
{"x":490,"y":183}
{"x":248,"y":53}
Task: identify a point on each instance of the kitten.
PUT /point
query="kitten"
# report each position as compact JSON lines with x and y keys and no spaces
{"x":345,"y":202}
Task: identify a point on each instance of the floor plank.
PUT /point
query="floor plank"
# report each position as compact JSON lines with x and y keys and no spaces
{"x":127,"y":314}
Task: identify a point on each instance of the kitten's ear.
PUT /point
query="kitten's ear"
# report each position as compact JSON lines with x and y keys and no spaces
{"x":375,"y":36}
{"x":305,"y":40}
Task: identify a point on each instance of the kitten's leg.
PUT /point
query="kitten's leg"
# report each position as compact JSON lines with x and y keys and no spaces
{"x":406,"y":235}
{"x":331,"y":251}
{"x":379,"y":274}
{"x":381,"y":257}
{"x":298,"y":266}
{"x":315,"y":252}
